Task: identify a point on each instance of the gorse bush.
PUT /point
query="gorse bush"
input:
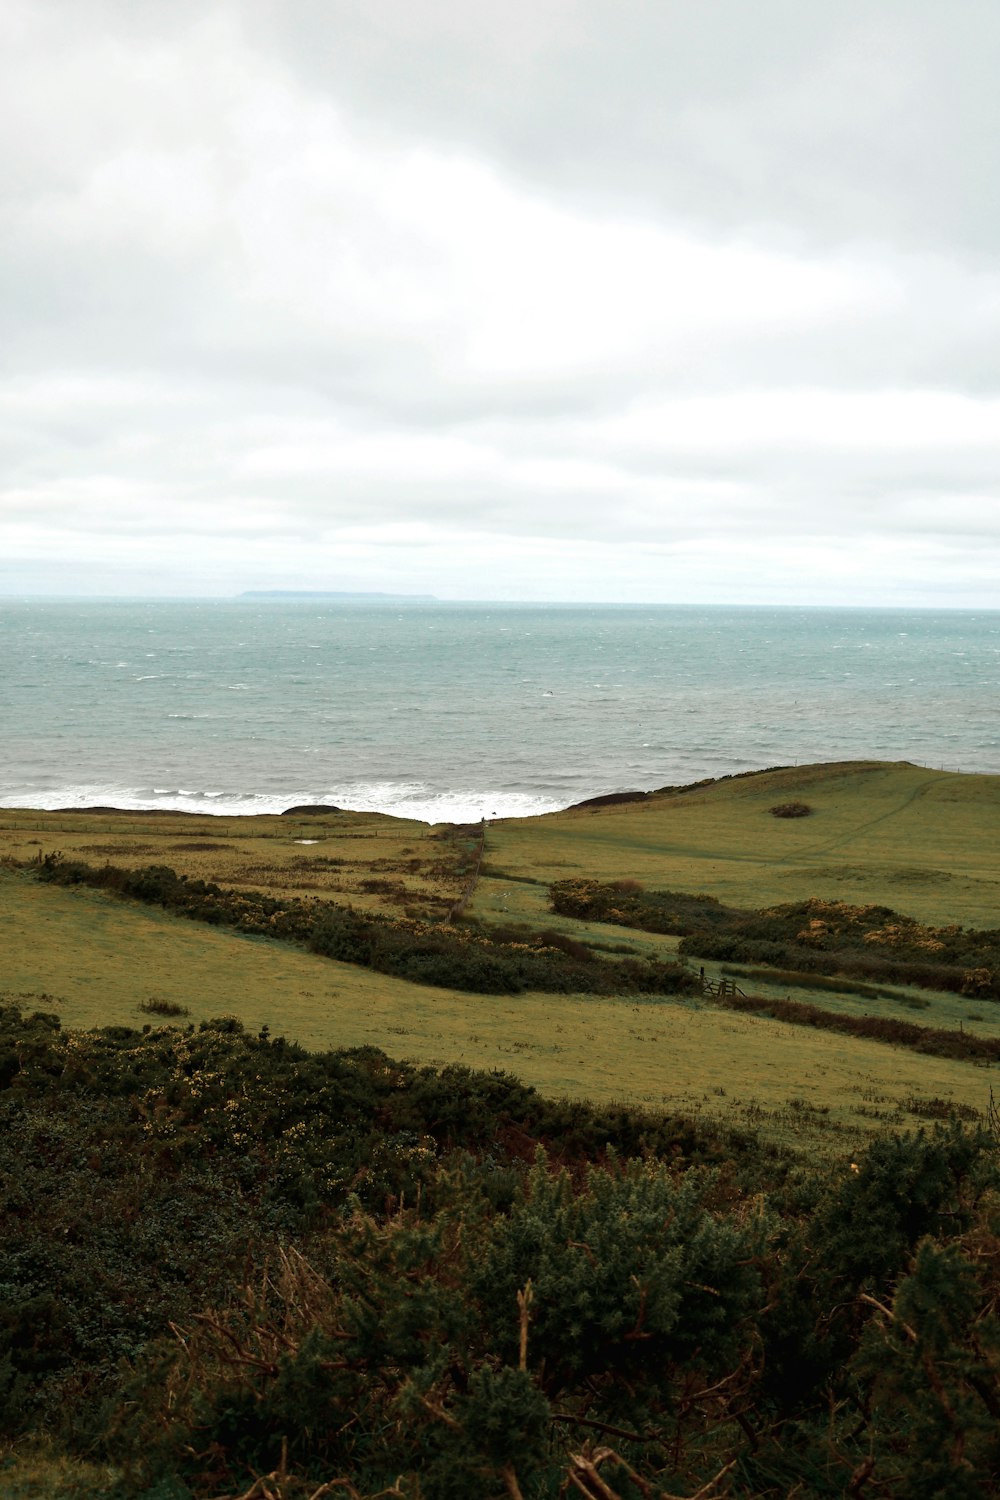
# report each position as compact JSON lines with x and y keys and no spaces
{"x":627,"y":904}
{"x":476,"y":1349}
{"x":630,"y":1275}
{"x":137,"y":1169}
{"x":446,"y":1348}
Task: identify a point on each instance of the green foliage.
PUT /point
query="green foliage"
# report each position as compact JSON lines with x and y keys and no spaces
{"x":933,"y":1363}
{"x":138,"y":1169}
{"x":223,"y":1257}
{"x":630,"y":1276}
{"x":373,"y":1366}
{"x":867,"y":941}
{"x":626,"y":904}
{"x":905,"y":1188}
{"x":440,"y":1348}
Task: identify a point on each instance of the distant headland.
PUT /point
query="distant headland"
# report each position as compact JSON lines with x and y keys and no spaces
{"x":339,"y":594}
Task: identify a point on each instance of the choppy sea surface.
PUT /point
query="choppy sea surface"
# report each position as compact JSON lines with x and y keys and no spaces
{"x":448,"y":712}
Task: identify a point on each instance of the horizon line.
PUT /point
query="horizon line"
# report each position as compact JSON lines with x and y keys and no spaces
{"x":376,"y":597}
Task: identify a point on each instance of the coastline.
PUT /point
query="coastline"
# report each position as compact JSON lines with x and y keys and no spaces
{"x":429,"y":808}
{"x":464,"y":807}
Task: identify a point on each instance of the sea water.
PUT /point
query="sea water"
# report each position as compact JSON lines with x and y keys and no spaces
{"x":449,"y":712}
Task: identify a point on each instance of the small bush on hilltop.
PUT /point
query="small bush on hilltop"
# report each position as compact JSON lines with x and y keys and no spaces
{"x":790,"y":810}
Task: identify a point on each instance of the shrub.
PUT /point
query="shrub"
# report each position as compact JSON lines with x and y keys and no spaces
{"x":434,"y":1347}
{"x":631,"y":1275}
{"x":156,"y":1006}
{"x":624,"y":903}
{"x":790,"y":810}
{"x":568,"y":945}
{"x":234,"y":1267}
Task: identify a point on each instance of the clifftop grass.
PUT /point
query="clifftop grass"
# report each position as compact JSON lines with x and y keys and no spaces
{"x":920,"y":841}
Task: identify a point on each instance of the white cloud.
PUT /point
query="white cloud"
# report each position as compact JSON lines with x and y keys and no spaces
{"x":516,"y":299}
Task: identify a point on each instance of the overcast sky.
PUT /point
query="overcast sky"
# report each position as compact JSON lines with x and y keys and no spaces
{"x":675,"y":300}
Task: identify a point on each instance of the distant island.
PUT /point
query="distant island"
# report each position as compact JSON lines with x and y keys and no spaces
{"x":354,"y":598}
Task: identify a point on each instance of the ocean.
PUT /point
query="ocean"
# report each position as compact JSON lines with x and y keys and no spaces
{"x":449,"y":712}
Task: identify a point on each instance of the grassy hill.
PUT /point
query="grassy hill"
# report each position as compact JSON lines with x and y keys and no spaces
{"x":921,"y":841}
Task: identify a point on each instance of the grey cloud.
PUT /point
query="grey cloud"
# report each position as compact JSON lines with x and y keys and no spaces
{"x":817,"y":122}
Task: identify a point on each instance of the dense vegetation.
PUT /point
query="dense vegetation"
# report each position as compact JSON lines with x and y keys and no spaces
{"x":818,"y":936}
{"x":223,"y":1257}
{"x":424,"y":953}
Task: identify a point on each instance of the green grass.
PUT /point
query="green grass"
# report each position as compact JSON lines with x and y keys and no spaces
{"x":41,"y":1474}
{"x":375,"y":862}
{"x":920,"y":841}
{"x":923,"y":842}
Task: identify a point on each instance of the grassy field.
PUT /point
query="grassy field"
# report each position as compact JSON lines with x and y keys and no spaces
{"x":93,"y":960}
{"x":922,"y":841}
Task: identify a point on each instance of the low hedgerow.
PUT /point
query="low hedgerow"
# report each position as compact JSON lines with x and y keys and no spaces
{"x":449,"y":957}
{"x":938,"y":1041}
{"x":869,"y":943}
